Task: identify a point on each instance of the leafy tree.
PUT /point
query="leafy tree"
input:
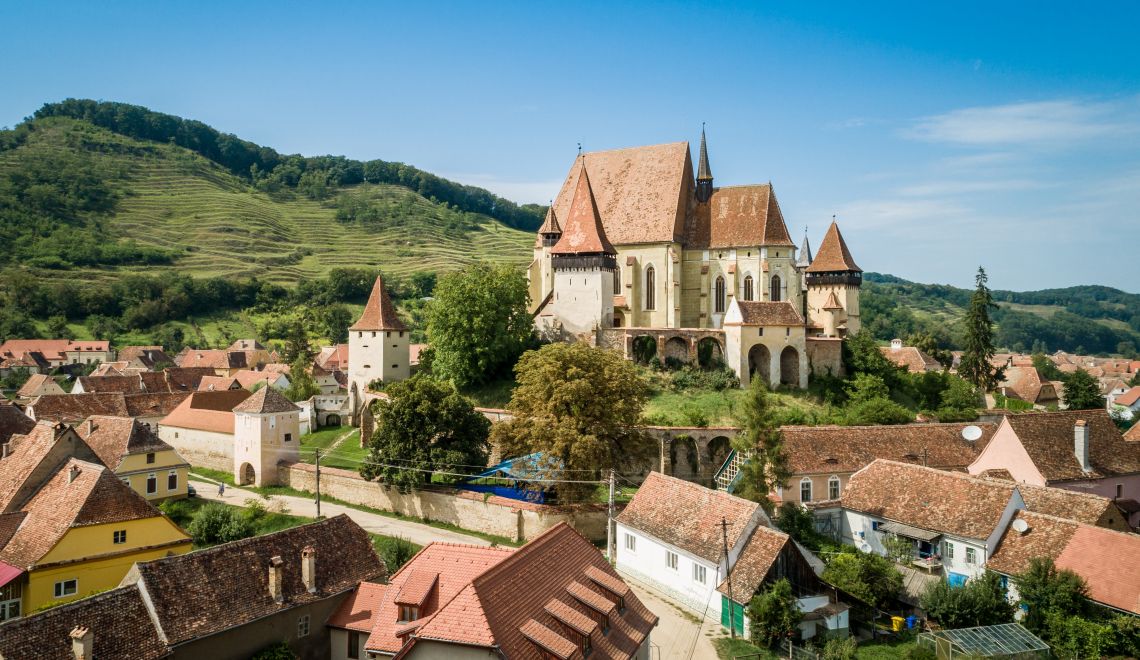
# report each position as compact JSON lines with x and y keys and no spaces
{"x":868,"y":577}
{"x":866,"y":387}
{"x":773,"y":614}
{"x":396,"y":551}
{"x":217,"y":523}
{"x":959,"y":401}
{"x":580,"y":407}
{"x":15,"y":379}
{"x":874,"y":411}
{"x":1082,"y":391}
{"x":301,"y":383}
{"x":424,"y":426}
{"x":335,"y":320}
{"x":297,"y":342}
{"x":1045,"y":590}
{"x":478,"y":323}
{"x":978,"y":344}
{"x":926,"y":342}
{"x":798,"y":523}
{"x":57,"y":327}
{"x":1046,"y":367}
{"x":15,"y":324}
{"x":1078,"y":637}
{"x":980,"y":602}
{"x":760,"y":437}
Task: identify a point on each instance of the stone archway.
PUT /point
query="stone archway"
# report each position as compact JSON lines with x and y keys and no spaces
{"x":644,"y":349}
{"x":619,"y":320}
{"x":677,"y":349}
{"x":709,"y":353}
{"x":760,"y":364}
{"x":246,"y":475}
{"x":717,"y":450}
{"x":332,"y":420}
{"x":790,"y":366}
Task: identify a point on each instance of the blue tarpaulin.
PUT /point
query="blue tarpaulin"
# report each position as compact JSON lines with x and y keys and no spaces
{"x":516,"y":478}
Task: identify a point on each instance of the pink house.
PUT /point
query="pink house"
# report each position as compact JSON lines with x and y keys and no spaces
{"x":1078,"y":450}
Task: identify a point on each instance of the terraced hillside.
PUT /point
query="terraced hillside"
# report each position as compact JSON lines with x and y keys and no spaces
{"x":219,"y":225}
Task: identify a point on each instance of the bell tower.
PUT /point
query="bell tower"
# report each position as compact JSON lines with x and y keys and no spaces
{"x":833,"y":280}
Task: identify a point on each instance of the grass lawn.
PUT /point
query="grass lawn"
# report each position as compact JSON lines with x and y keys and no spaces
{"x":348,"y":456}
{"x":728,"y":648}
{"x":322,"y":438}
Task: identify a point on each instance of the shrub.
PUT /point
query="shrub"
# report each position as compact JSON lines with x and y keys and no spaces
{"x":981,"y":602}
{"x":840,"y":649}
{"x":279,"y":651}
{"x":919,"y":653}
{"x":694,"y":415}
{"x":868,"y":577}
{"x":774,"y":614}
{"x":217,"y":523}
{"x":396,"y":551}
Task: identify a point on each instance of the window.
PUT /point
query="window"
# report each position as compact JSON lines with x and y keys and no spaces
{"x":671,"y":559}
{"x":749,"y":293}
{"x":805,"y":489}
{"x":949,"y":550}
{"x":774,"y":292}
{"x":631,"y":542}
{"x":617,"y":281}
{"x":833,"y":488}
{"x":120,"y":536}
{"x":151,"y":483}
{"x":875,"y":525}
{"x":650,"y":288}
{"x":176,"y":434}
{"x":288,"y":437}
{"x":1119,"y":491}
{"x":353,"y":651}
{"x":150,"y":458}
{"x":172,"y":480}
{"x":718,"y":295}
{"x":971,"y":556}
{"x":388,"y":333}
{"x":408,"y":613}
{"x":303,"y":626}
{"x":272,"y":421}
{"x":699,"y":574}
{"x":66,"y":588}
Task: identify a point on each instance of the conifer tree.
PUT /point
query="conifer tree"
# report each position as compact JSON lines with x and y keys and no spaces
{"x":760,"y":436}
{"x":975,"y":365}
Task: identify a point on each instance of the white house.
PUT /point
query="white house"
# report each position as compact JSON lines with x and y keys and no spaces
{"x":1126,"y":404}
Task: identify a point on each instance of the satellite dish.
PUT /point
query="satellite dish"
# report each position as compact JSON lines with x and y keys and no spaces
{"x":1020,"y":526}
{"x":972,"y":433}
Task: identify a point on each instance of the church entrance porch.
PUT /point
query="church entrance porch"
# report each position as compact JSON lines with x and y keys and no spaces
{"x":760,"y":364}
{"x":790,"y":367}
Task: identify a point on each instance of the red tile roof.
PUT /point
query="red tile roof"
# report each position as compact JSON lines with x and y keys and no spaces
{"x":216,"y":383}
{"x":1133,"y":434}
{"x":756,"y":312}
{"x":1048,"y":439}
{"x":688,"y":515}
{"x":77,"y":407}
{"x":132,"y":384}
{"x":35,"y":384}
{"x":756,"y":561}
{"x":207,"y":411}
{"x":264,"y":401}
{"x":115,"y":438}
{"x":841,"y":449}
{"x":738,"y":216}
{"x":359,"y":611}
{"x":833,"y":255}
{"x":379,"y":312}
{"x":1128,"y":398}
{"x":915,"y":361}
{"x":582,"y":232}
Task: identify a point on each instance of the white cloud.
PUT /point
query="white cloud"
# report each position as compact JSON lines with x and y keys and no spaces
{"x":953,"y":187}
{"x":1028,"y":124}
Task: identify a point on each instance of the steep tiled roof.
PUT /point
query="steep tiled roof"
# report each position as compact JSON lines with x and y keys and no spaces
{"x":217,"y":383}
{"x":32,"y":456}
{"x":379,"y":312}
{"x":687,"y":515}
{"x":910,"y":357}
{"x":266,"y":400}
{"x":118,"y":368}
{"x":186,"y":379}
{"x":1025,"y":383}
{"x":117,"y":618}
{"x":755,"y":562}
{"x":149,"y":356}
{"x":450,"y":566}
{"x":1048,"y":439}
{"x":207,"y":411}
{"x":756,"y":312}
{"x":52,"y":349}
{"x":739,"y":216}
{"x":1128,"y":398}
{"x":33,"y":385}
{"x":833,"y":255}
{"x":638,"y":191}
{"x":124,"y":384}
{"x":360,"y":610}
{"x":153,"y":404}
{"x":1045,"y":537}
{"x":94,"y":496}
{"x":154,"y":382}
{"x":582,"y":232}
{"x":13,"y":421}
{"x":1133,"y":434}
{"x":498,"y":606}
{"x":840,"y":449}
{"x":550,"y":224}
{"x":115,"y":438}
{"x":946,"y":502}
{"x":1081,"y":507}
{"x":77,"y":407}
{"x":210,"y":590}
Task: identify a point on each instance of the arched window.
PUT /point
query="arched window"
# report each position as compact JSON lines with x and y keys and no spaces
{"x":774,"y":292}
{"x":805,"y":489}
{"x":650,"y":288}
{"x":719,"y":293}
{"x":749,"y":294}
{"x":833,"y":487}
{"x":617,"y":281}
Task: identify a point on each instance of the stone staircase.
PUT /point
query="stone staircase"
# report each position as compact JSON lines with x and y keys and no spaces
{"x":725,"y":477}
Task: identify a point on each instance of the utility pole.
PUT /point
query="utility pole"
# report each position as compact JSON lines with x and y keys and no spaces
{"x":728,"y":577}
{"x":610,"y":520}
{"x":317,"y":455}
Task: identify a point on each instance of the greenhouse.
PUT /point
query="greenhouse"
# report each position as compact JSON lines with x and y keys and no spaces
{"x":1008,"y":640}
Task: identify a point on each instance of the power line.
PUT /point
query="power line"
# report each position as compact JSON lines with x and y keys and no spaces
{"x":364,"y":461}
{"x":334,"y":452}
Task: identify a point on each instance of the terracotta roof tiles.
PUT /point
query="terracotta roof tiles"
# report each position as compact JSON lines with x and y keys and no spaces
{"x":13,"y":421}
{"x":841,"y":449}
{"x":359,"y":611}
{"x":582,"y":232}
{"x":755,"y":562}
{"x":739,"y":216}
{"x":550,"y":641}
{"x":1048,"y":439}
{"x":77,"y":407}
{"x":207,"y":411}
{"x":115,"y":438}
{"x":833,"y":255}
{"x":762,"y":313}
{"x":379,"y":312}
{"x":266,"y":400}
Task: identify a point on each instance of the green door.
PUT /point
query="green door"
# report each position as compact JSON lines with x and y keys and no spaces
{"x":735,"y":610}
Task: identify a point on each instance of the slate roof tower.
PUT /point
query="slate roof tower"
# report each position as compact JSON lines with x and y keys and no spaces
{"x":704,"y":173}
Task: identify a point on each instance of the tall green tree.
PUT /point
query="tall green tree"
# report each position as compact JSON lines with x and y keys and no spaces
{"x":335,"y":320}
{"x":478,"y":323}
{"x":425,"y":425}
{"x":301,"y":383}
{"x":773,"y":614}
{"x":760,"y":438}
{"x":57,"y":328}
{"x":1082,"y":391}
{"x":868,"y":577}
{"x":980,"y":602}
{"x":978,"y":342}
{"x":580,"y":407}
{"x":297,"y":345}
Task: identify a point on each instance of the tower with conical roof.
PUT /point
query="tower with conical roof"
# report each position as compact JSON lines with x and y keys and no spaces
{"x":377,"y":345}
{"x":541,"y":274}
{"x":833,"y":280}
{"x":704,"y":173}
{"x":583,"y":262}
{"x":267,"y":431}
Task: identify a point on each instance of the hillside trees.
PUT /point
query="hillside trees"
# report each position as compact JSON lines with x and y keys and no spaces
{"x":978,"y":342}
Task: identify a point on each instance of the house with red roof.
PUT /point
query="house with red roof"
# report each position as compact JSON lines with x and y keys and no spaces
{"x":1126,"y":404}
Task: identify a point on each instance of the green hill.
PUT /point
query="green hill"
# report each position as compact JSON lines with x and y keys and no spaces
{"x":1081,"y":319}
{"x":169,"y":207}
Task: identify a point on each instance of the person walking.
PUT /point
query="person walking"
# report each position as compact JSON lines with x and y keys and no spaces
{"x":221,"y":489}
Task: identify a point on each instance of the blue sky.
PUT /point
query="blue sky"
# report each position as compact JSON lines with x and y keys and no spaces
{"x":943,"y":137}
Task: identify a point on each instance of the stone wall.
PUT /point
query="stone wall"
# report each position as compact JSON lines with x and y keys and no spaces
{"x":201,"y":448}
{"x":825,"y":356}
{"x":692,"y":453}
{"x":500,"y":516}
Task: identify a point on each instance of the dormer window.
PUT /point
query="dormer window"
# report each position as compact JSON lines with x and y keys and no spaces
{"x":408,"y":613}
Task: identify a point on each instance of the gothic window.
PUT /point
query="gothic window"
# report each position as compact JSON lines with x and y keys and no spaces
{"x":774,"y":292}
{"x":748,"y":292}
{"x":650,"y":288}
{"x":617,"y":281}
{"x":719,"y":293}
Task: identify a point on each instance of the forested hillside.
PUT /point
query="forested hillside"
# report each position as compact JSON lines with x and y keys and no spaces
{"x":1081,"y":319}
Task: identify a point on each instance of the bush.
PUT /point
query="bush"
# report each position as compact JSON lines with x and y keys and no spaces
{"x":868,"y":577}
{"x":396,"y":551}
{"x":981,"y":602}
{"x":774,"y":614}
{"x":919,"y":653}
{"x":217,"y":523}
{"x":694,"y":415}
{"x":279,"y":651}
{"x":840,"y":649}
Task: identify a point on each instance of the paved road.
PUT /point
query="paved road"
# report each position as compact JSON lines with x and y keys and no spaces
{"x":678,"y":635}
{"x":415,"y":532}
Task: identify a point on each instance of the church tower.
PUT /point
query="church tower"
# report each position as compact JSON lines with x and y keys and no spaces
{"x":267,"y":431}
{"x":833,"y":280}
{"x":704,"y":173}
{"x":583,"y":261}
{"x":377,"y":345}
{"x":548,"y":235}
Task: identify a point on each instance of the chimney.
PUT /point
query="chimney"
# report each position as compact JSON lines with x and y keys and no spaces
{"x":1081,"y":444}
{"x":309,"y":569}
{"x":82,"y":643}
{"x":275,"y":579}
{"x":4,"y":449}
{"x":896,"y":344}
{"x":73,"y":473}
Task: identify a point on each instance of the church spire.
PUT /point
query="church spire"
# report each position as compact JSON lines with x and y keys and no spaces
{"x":704,"y":172}
{"x":804,"y":258}
{"x":582,"y":232}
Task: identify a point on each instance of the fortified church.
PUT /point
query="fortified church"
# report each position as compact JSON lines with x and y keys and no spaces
{"x":636,"y":250}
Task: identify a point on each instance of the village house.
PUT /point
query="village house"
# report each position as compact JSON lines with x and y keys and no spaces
{"x":148,"y":408}
{"x":226,"y":602}
{"x":38,"y":385}
{"x":1079,"y":450}
{"x":218,"y":383}
{"x":909,"y":357}
{"x":1026,"y":384}
{"x":821,"y":459}
{"x":952,"y":520}
{"x":59,"y":352}
{"x":1105,"y":559}
{"x":1126,"y":404}
{"x":145,"y":358}
{"x":29,"y":362}
{"x":137,"y":456}
{"x":69,"y":526}
{"x":248,"y":378}
{"x":142,"y":382}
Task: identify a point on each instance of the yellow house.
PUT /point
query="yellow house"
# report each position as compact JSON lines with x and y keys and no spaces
{"x":137,"y":456}
{"x":77,"y":535}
